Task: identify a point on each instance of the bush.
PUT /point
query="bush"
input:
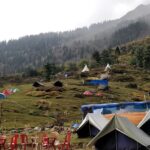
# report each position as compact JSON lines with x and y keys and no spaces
{"x":84,"y":74}
{"x":79,"y":95}
{"x":124,"y":78}
{"x":34,"y":113}
{"x":132,"y":85}
{"x":119,"y":71}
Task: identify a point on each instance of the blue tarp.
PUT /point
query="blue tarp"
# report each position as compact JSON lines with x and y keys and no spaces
{"x":97,"y":82}
{"x":2,"y":96}
{"x":75,"y":125}
{"x":109,"y":108}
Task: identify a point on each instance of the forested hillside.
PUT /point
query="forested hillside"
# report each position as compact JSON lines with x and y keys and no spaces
{"x":36,"y":50}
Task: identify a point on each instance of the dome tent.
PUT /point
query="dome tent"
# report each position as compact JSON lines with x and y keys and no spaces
{"x":37,"y":84}
{"x":2,"y":96}
{"x":58,"y":84}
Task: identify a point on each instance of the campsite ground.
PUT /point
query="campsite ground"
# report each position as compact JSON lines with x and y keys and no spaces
{"x":34,"y":108}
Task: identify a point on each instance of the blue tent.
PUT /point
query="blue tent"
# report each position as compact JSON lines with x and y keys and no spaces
{"x":2,"y":96}
{"x":109,"y":108}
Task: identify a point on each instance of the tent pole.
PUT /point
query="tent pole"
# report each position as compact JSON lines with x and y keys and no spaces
{"x":116,"y":139}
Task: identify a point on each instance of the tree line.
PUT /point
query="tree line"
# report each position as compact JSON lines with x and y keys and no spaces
{"x":32,"y":52}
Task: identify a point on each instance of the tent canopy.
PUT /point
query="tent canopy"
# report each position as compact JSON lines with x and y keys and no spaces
{"x":58,"y":84}
{"x":97,"y":82}
{"x":2,"y":96}
{"x":109,"y":108}
{"x":104,"y":76}
{"x":88,"y":93}
{"x":124,"y":126}
{"x":107,"y":68}
{"x":7,"y":92}
{"x":145,"y":123}
{"x":95,"y":120}
{"x":134,"y":117}
{"x":144,"y":120}
{"x":37,"y":84}
{"x":85,"y":69}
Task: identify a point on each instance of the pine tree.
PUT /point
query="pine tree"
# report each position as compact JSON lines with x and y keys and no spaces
{"x":146,"y":58}
{"x":96,"y":56}
{"x":50,"y":70}
{"x":139,"y":56}
{"x":117,"y":51}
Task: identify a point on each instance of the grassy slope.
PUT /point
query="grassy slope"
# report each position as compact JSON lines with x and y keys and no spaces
{"x":17,"y":108}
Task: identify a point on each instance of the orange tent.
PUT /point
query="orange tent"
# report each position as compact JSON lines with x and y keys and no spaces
{"x":134,"y":117}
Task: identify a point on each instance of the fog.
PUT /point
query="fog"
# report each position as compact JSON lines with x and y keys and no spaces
{"x":25,"y":17}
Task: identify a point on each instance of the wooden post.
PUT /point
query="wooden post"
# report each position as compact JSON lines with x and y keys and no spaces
{"x":1,"y":109}
{"x":1,"y":113}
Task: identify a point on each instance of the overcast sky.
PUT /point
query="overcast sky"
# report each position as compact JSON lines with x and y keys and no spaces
{"x":25,"y":17}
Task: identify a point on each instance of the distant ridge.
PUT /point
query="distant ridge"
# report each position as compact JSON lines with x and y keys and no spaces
{"x":139,"y":11}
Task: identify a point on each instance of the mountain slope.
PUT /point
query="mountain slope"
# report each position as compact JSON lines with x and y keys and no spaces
{"x":138,"y":12}
{"x":34,"y":51}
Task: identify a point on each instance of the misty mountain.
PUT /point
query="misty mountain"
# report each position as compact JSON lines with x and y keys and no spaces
{"x":138,"y":12}
{"x":36,"y":50}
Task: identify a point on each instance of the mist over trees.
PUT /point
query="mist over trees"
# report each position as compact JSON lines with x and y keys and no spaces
{"x":32,"y":52}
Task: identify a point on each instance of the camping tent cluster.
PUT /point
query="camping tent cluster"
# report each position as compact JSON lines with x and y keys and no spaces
{"x":118,"y":133}
{"x":5,"y":93}
{"x":114,"y":126}
{"x":86,"y":69}
{"x":121,"y":134}
{"x":102,"y":82}
{"x":115,"y":134}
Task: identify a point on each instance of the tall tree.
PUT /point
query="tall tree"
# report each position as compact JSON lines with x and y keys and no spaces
{"x":117,"y":51}
{"x":146,"y":58}
{"x":96,"y":56}
{"x":50,"y":70}
{"x":139,"y":56}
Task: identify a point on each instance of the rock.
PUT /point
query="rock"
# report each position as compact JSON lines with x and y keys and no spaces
{"x":59,"y":97}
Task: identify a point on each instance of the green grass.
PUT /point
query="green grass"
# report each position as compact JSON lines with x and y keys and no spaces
{"x":20,"y":110}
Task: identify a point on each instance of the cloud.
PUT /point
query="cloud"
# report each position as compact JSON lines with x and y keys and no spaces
{"x":24,"y":17}
{"x":113,"y":9}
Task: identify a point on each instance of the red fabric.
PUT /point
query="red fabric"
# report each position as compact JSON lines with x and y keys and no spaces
{"x":45,"y":141}
{"x":14,"y":140}
{"x":7,"y":92}
{"x":24,"y":138}
{"x":88,"y":93}
{"x":66,"y":144}
{"x":100,"y":94}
